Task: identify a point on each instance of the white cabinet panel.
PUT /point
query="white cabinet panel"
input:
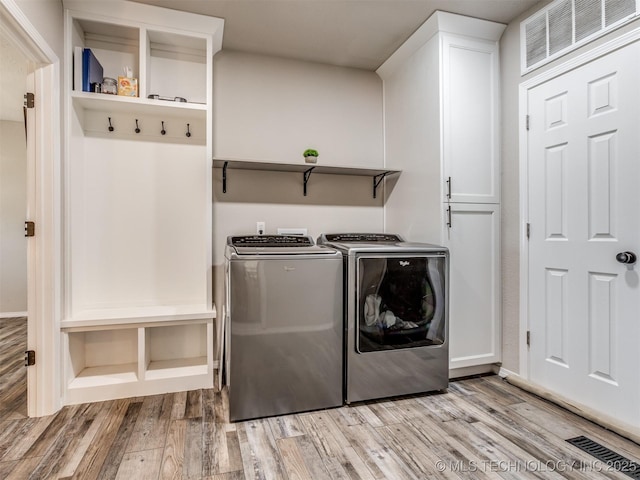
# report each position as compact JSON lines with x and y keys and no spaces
{"x":470,"y":119}
{"x":474,"y":294}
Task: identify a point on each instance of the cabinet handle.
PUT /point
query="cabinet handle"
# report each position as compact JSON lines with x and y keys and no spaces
{"x":449,"y":216}
{"x":449,"y":187}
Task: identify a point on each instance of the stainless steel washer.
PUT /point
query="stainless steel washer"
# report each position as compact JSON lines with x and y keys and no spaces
{"x":284,"y":325}
{"x":396,"y":315}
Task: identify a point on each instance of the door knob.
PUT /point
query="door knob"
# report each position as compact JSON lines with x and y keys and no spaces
{"x":626,"y":257}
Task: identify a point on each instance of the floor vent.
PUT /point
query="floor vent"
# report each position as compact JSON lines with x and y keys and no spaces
{"x":607,"y":456}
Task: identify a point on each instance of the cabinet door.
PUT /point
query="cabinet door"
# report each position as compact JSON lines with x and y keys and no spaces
{"x":474,"y":283}
{"x":470,"y":120}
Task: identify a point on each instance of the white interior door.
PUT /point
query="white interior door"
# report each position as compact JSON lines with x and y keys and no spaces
{"x":584,"y":208}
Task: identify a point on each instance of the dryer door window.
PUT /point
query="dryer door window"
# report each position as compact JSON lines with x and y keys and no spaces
{"x":401,"y":302}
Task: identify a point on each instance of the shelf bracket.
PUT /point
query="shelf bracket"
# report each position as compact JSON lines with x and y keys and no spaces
{"x":376,"y":181}
{"x":305,"y":178}
{"x":224,"y":177}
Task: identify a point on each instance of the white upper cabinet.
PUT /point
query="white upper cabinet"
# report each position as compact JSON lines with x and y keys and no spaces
{"x":441,"y":107}
{"x":470,"y":147}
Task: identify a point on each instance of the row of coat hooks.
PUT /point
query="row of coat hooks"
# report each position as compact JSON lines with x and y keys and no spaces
{"x":163,"y":131}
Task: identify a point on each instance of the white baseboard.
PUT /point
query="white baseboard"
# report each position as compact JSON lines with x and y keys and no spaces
{"x":504,"y":373}
{"x":469,"y":371}
{"x":12,"y":314}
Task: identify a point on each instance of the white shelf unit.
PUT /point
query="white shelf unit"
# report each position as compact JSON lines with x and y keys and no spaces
{"x":114,"y":361}
{"x":138,"y":313}
{"x":103,"y":357}
{"x":172,"y":351}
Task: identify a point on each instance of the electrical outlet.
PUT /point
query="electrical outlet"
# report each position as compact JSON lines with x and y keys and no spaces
{"x":261,"y":228}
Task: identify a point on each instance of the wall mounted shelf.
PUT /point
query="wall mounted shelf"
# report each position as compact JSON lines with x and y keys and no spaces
{"x":306,"y":169}
{"x":121,"y":104}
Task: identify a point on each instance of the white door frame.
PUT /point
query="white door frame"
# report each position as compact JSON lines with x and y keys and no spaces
{"x":43,"y":208}
{"x":523,"y":110}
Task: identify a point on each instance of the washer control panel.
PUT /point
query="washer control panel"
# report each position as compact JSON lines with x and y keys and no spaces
{"x":363,"y":237}
{"x":271,"y":241}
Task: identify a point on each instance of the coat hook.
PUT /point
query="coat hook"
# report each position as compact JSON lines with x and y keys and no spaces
{"x":188,"y":134}
{"x":137,"y":127}
{"x":163,"y":131}
{"x":111,"y":129}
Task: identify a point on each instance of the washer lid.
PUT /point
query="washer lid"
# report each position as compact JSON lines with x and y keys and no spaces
{"x":276,"y":245}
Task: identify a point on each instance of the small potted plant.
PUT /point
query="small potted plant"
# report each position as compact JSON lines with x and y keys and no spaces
{"x":310,"y":155}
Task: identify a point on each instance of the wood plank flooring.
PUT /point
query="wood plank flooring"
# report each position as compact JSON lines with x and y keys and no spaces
{"x":482,"y":428}
{"x":13,"y":375}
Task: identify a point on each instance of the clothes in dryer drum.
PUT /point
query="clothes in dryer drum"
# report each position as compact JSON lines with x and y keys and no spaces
{"x":401,"y":302}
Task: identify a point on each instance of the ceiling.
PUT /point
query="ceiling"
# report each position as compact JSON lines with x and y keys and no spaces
{"x":350,"y":33}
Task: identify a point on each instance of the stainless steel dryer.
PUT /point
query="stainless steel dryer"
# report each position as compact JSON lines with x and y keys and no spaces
{"x":396,"y":315}
{"x":284,"y":325}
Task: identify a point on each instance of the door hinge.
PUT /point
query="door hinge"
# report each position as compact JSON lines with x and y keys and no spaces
{"x":29,"y":100}
{"x":29,"y":229}
{"x":29,"y":358}
{"x":526,"y":119}
{"x":528,"y":230}
{"x":528,"y":338}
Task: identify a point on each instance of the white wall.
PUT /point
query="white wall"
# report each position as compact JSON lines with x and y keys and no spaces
{"x":13,"y":181}
{"x":13,"y":209}
{"x":46,"y":16}
{"x":511,"y":221}
{"x":271,"y":109}
{"x":414,"y":199}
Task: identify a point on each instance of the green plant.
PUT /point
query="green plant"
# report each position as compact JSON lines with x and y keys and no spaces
{"x":310,"y":152}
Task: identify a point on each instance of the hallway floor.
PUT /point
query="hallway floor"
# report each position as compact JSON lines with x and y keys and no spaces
{"x":13,"y":375}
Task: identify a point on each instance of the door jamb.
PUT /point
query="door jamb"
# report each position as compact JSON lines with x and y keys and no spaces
{"x":44,"y":208}
{"x":523,"y":109}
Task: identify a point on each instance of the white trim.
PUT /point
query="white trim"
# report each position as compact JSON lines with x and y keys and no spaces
{"x":13,"y":314}
{"x":441,"y":22}
{"x":48,"y":241}
{"x":460,"y":372}
{"x":504,"y":373}
{"x":27,"y":39}
{"x":43,"y":207}
{"x":523,"y":110}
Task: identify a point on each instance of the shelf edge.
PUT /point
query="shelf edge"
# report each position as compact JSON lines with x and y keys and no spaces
{"x":301,"y":167}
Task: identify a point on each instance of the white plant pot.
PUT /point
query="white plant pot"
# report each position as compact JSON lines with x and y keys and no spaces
{"x":310,"y":159}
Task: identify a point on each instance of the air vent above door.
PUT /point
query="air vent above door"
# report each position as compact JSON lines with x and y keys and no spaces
{"x":564,"y":25}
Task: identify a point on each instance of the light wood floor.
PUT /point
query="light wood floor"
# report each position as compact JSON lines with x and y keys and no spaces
{"x":481,"y":428}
